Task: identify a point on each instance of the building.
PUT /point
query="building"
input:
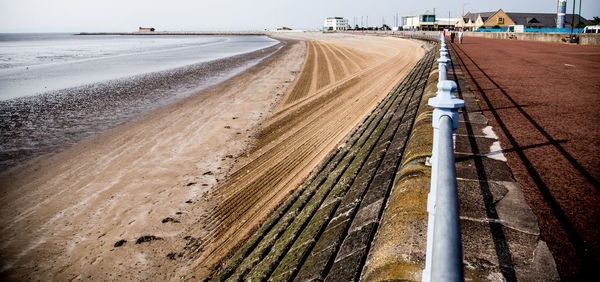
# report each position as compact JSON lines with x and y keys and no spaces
{"x":146,"y":29}
{"x":500,"y":19}
{"x":283,"y":28}
{"x":427,"y":21}
{"x":410,"y":22}
{"x":335,"y":23}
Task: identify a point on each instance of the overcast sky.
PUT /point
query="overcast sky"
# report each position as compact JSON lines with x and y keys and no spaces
{"x":127,"y":15}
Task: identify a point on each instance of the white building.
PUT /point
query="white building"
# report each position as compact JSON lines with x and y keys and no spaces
{"x":410,"y":22}
{"x":427,"y":21}
{"x":335,"y":23}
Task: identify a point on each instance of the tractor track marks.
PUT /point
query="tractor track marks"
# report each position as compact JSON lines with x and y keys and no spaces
{"x":306,"y":126}
{"x":340,"y":205}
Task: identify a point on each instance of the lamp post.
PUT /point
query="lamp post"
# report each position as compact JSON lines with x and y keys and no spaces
{"x":579,"y":15}
{"x":573,"y":17}
{"x":434,"y":17}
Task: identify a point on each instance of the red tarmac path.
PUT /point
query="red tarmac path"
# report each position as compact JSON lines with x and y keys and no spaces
{"x":543,"y":100}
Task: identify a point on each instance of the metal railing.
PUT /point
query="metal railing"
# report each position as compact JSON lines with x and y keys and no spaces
{"x":414,"y":34}
{"x":443,"y":260}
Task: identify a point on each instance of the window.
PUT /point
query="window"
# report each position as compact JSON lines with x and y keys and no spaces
{"x":428,"y":18}
{"x":500,"y":20}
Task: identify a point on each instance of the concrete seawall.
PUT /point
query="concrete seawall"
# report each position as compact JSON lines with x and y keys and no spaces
{"x":584,"y":39}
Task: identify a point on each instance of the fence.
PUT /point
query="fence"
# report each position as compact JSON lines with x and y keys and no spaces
{"x":417,"y":34}
{"x":443,"y":260}
{"x":542,"y":30}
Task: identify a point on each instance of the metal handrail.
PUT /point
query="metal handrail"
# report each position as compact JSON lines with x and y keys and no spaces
{"x":443,"y":261}
{"x":447,"y":251}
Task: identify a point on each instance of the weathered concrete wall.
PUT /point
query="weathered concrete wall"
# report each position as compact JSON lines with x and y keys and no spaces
{"x":584,"y":39}
{"x":398,"y":250}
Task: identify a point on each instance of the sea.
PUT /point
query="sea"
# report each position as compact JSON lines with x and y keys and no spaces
{"x":56,"y":89}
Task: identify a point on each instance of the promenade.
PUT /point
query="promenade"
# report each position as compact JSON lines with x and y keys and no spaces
{"x":542,"y":99}
{"x":526,"y":174}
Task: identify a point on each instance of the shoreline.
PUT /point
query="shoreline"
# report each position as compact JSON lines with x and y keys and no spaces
{"x":126,"y":182}
{"x":81,"y":112}
{"x":179,"y":33}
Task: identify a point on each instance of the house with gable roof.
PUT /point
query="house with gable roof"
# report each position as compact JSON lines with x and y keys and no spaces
{"x":475,"y":21}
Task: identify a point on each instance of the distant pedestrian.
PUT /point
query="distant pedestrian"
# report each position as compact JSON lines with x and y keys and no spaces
{"x":460,"y":36}
{"x":452,"y":35}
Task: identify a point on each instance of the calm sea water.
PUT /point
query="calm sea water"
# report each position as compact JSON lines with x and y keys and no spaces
{"x":56,"y":89}
{"x":31,"y":64}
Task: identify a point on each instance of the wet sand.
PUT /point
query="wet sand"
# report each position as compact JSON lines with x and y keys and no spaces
{"x":172,"y":193}
{"x":36,"y":125}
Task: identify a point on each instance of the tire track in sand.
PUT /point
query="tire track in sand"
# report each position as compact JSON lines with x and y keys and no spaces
{"x":361,"y":61}
{"x":323,"y":73}
{"x":346,"y":64}
{"x":337,"y":66}
{"x":303,"y":84}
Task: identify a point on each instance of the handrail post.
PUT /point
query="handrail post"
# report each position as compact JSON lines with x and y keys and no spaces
{"x":444,"y":60}
{"x":443,"y":68}
{"x":443,"y":46}
{"x":445,"y":104}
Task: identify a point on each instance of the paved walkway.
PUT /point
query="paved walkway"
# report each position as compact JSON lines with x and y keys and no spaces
{"x":500,"y":233}
{"x":542,"y":100}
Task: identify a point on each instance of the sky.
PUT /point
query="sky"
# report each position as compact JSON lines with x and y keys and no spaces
{"x":192,"y":15}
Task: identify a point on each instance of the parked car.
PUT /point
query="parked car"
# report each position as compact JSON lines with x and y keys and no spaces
{"x":591,"y":29}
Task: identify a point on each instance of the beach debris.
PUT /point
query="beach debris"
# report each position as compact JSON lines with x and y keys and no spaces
{"x":188,"y":201}
{"x":208,"y":173}
{"x":179,"y":212}
{"x":171,"y":256}
{"x":204,"y":184}
{"x":227,"y":126}
{"x":170,"y":219}
{"x":234,"y":117}
{"x":229,"y":156}
{"x":147,"y":238}
{"x":191,"y":183}
{"x":120,"y":243}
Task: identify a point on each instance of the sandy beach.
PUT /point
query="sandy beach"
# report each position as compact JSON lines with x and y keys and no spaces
{"x":173,"y":193}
